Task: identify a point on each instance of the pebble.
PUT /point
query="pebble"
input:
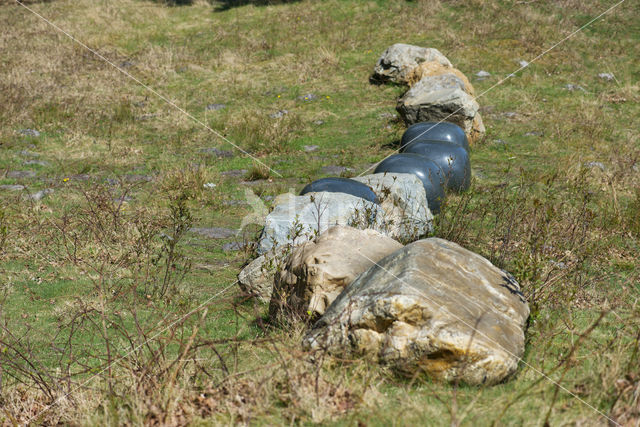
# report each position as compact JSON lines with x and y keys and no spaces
{"x":214,"y":232}
{"x":35,"y":162}
{"x":310,"y":148}
{"x":216,"y":107}
{"x":318,"y":122}
{"x":209,"y":185}
{"x":523,"y":63}
{"x":598,"y":165}
{"x":606,"y":76}
{"x":279,"y":114}
{"x":534,"y":133}
{"x":483,"y":73}
{"x":217,"y":152}
{"x":21,"y":174}
{"x":234,"y":172}
{"x":30,"y":132}
{"x":308,"y":97}
{"x":15,"y":187}
{"x":335,"y":170}
{"x":572,"y":87}
{"x":510,"y":114}
{"x":36,"y":197}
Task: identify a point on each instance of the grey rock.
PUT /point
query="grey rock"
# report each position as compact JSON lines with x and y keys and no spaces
{"x":396,"y":63}
{"x":606,"y":76}
{"x":138,"y":178}
{"x":598,"y":165}
{"x":534,"y":133}
{"x":257,"y":278}
{"x":431,"y":307}
{"x":318,"y":122}
{"x":80,"y":177}
{"x":279,"y":114}
{"x":389,"y":116}
{"x":21,"y":174}
{"x":483,"y":74}
{"x":404,"y":201}
{"x":215,"y":107}
{"x":30,"y":132}
{"x":126,"y":64}
{"x":310,"y":148}
{"x":9,"y":187}
{"x":35,"y":162}
{"x":296,"y":219}
{"x":27,"y":153}
{"x":214,"y":232}
{"x":335,"y":170}
{"x":36,"y":197}
{"x":233,"y":246}
{"x":523,"y":63}
{"x":217,"y":152}
{"x":571,"y":87}
{"x":308,"y":97}
{"x":510,"y":114}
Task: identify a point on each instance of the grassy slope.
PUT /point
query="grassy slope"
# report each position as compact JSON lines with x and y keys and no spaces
{"x":258,"y":60}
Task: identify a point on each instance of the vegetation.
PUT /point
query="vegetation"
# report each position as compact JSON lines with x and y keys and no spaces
{"x":111,"y":311}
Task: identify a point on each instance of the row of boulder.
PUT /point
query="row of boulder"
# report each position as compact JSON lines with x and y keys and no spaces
{"x":335,"y":255}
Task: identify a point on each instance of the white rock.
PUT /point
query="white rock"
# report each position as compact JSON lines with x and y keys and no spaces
{"x":297,"y":219}
{"x":430,"y":307}
{"x":402,"y":197}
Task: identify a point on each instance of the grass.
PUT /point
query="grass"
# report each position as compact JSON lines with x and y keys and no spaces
{"x":74,"y":265}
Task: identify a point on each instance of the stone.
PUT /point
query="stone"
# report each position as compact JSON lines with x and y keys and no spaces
{"x":435,"y":69}
{"x":452,"y":104}
{"x":451,"y":158}
{"x":402,"y":197}
{"x":523,"y":63}
{"x":341,"y":185}
{"x":21,"y":174}
{"x":30,"y":132}
{"x":482,"y":74}
{"x":434,"y":131}
{"x":234,"y":172}
{"x":137,"y":178}
{"x":335,"y":170}
{"x":318,"y":122}
{"x":27,"y":153}
{"x":279,"y":114}
{"x":395,"y":63}
{"x":310,"y":148}
{"x":9,"y":187}
{"x":606,"y":76}
{"x":297,"y":219}
{"x":39,"y":195}
{"x":214,"y":232}
{"x":217,"y":152}
{"x":256,"y":279}
{"x":431,"y":307}
{"x":598,"y":165}
{"x":572,"y":87}
{"x":429,"y":173}
{"x":35,"y":163}
{"x":316,"y":272}
{"x":308,"y":97}
{"x":215,"y":107}
{"x":233,"y":246}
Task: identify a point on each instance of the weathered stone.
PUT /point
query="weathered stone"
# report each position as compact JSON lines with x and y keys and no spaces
{"x":435,"y":69}
{"x":431,"y":307}
{"x":21,"y":174}
{"x":296,"y":219}
{"x":404,"y":201}
{"x":441,"y":98}
{"x":256,"y":279}
{"x":316,"y":272}
{"x":395,"y":64}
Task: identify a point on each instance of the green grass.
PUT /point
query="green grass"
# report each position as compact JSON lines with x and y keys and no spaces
{"x":532,"y":200}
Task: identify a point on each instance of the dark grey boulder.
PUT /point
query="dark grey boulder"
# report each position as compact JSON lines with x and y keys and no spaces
{"x":341,"y":185}
{"x":427,"y":170}
{"x":452,"y":159}
{"x":434,"y":131}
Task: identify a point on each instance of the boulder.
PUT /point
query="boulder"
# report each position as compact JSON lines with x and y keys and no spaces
{"x":434,"y":69}
{"x":442,"y":98}
{"x":430,"y":307}
{"x":397,"y":62}
{"x":404,"y":201}
{"x":317,"y":271}
{"x":257,"y":278}
{"x":297,"y":219}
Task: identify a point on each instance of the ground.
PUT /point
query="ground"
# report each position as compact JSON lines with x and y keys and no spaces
{"x":113,"y":312}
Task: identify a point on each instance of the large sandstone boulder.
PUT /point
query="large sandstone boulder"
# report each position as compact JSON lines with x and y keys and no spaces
{"x":317,"y":271}
{"x":443,"y":97}
{"x":406,"y":212}
{"x":397,"y":62}
{"x":297,"y":219}
{"x":432,"y":306}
